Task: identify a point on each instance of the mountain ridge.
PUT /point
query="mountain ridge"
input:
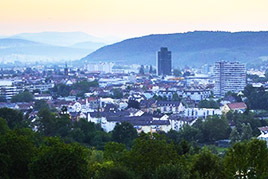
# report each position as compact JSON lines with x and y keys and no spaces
{"x":193,"y":48}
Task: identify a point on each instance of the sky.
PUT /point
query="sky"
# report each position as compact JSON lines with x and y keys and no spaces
{"x":128,"y":18}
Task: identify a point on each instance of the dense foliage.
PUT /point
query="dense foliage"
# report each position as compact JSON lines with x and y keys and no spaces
{"x":25,"y":96}
{"x":81,"y":87}
{"x":257,"y":98}
{"x":208,"y":104}
{"x":81,"y":149}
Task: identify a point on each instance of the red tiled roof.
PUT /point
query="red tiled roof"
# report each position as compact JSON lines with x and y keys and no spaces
{"x":240,"y":105}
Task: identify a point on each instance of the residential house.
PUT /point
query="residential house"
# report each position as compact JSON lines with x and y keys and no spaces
{"x":239,"y":107}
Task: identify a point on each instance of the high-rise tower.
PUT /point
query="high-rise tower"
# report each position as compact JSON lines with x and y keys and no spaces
{"x":163,"y":62}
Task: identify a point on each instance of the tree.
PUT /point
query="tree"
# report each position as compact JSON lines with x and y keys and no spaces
{"x":207,"y":165}
{"x":25,"y":96}
{"x":133,"y":104}
{"x":172,"y":171}
{"x":246,"y":118}
{"x":215,"y":128}
{"x":39,"y":104}
{"x":257,"y":98}
{"x":149,"y":152}
{"x":89,"y":133}
{"x":177,"y":72}
{"x":13,"y":117}
{"x":189,"y":133}
{"x":115,"y":172}
{"x":16,"y":152}
{"x":46,"y":122}
{"x":234,"y":136}
{"x":258,"y":158}
{"x":246,"y":132}
{"x":114,"y":151}
{"x":3,"y":126}
{"x":59,"y":160}
{"x":247,"y":160}
{"x":117,"y":93}
{"x":62,"y":89}
{"x":84,"y":85}
{"x":208,"y":104}
{"x":124,"y":133}
{"x":175,"y":97}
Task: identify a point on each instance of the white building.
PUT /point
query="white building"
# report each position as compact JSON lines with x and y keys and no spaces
{"x":264,"y":134}
{"x":229,"y":76}
{"x":7,"y":89}
{"x":201,"y":112}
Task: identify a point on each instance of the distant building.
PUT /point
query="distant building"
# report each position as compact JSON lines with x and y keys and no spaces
{"x":229,"y":76}
{"x":264,"y":134}
{"x":7,"y":89}
{"x":163,"y":62}
{"x":105,"y":67}
{"x":239,"y":107}
{"x":66,"y":70}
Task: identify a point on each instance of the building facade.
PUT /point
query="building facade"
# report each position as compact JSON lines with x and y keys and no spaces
{"x":229,"y":76}
{"x":163,"y":62}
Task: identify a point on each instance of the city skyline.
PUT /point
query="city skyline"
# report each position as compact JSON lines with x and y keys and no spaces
{"x":131,"y":18}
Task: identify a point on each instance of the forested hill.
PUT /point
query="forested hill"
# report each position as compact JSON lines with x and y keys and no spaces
{"x":196,"y":48}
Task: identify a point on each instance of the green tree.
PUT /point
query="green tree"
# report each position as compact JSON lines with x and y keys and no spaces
{"x":247,"y":160}
{"x":234,"y":136}
{"x":124,"y":133}
{"x":133,"y":104}
{"x":215,"y":128}
{"x":236,"y":161}
{"x":246,"y":132}
{"x":16,"y":152}
{"x":114,"y":151}
{"x":149,"y":152}
{"x":189,"y":133}
{"x":117,"y":93}
{"x":59,"y":160}
{"x":62,"y":90}
{"x":175,"y":97}
{"x":115,"y":172}
{"x":258,"y":158}
{"x":84,"y":85}
{"x":3,"y":126}
{"x":13,"y":117}
{"x":46,"y":122}
{"x":208,"y":104}
{"x":89,"y":133}
{"x":25,"y":96}
{"x":39,"y":104}
{"x":207,"y":165}
{"x":172,"y":171}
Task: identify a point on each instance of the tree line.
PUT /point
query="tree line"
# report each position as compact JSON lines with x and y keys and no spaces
{"x":61,"y":148}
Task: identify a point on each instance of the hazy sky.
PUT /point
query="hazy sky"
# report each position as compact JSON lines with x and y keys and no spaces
{"x":127,"y":18}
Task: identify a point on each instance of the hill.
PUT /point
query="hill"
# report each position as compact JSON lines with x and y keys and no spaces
{"x":88,"y":45}
{"x":58,"y":38}
{"x":29,"y":51}
{"x":191,"y":48}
